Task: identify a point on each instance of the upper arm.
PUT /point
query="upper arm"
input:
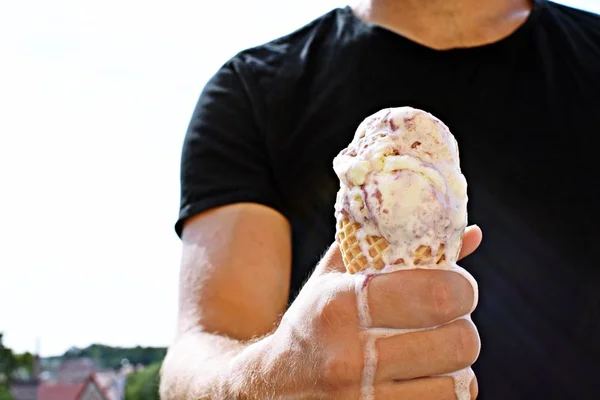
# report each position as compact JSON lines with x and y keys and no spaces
{"x":235,"y":270}
{"x":236,"y":242}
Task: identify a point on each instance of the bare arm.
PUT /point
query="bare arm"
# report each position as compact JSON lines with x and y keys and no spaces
{"x":234,"y":285}
{"x":234,"y":289}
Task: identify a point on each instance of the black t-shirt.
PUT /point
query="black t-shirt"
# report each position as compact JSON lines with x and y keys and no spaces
{"x":526,"y":114}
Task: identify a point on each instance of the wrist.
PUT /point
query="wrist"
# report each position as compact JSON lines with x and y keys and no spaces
{"x":249,"y":371}
{"x":197,"y":366}
{"x":279,"y":365}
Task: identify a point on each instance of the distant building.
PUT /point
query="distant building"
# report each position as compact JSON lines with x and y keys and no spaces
{"x":89,"y":389}
{"x":127,"y":369}
{"x":24,"y":390}
{"x":111,"y":383}
{"x":71,"y":379}
{"x":76,"y":370}
{"x":25,"y":386}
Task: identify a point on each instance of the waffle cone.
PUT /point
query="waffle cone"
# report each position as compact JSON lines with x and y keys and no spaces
{"x":355,"y":260}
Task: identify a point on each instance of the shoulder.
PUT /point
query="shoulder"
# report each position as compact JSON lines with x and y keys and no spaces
{"x":274,"y":76}
{"x":576,"y":14}
{"x":574,"y":22}
{"x":571,"y":37}
{"x":284,"y":57}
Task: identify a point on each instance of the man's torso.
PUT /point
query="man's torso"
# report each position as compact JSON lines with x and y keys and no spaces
{"x":525,"y":112}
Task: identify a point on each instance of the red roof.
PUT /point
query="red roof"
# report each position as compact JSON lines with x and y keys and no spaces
{"x":76,"y":370}
{"x":68,"y":391}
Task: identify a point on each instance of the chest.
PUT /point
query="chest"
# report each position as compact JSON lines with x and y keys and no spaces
{"x":525,"y":131}
{"x":515,"y":124}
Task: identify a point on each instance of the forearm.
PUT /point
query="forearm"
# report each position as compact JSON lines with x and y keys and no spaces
{"x":204,"y":366}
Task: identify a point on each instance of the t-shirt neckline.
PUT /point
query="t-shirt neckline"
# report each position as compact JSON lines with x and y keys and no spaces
{"x":410,"y":44}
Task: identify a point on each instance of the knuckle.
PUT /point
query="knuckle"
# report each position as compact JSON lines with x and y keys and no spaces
{"x":336,"y":309}
{"x":444,"y":302}
{"x":338,"y":372}
{"x":327,"y":317}
{"x":466,"y":343}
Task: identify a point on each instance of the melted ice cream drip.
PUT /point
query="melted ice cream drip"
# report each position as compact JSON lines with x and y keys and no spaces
{"x":401,"y":180}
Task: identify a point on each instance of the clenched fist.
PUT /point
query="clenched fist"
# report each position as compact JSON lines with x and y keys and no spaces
{"x":320,"y":350}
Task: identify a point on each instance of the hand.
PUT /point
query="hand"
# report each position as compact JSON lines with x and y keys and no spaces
{"x":318,"y":349}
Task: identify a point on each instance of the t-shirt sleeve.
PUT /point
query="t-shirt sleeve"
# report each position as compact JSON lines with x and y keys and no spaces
{"x":224,"y":158}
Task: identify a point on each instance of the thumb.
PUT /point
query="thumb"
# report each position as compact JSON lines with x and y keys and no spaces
{"x":471,"y":241}
{"x":332,"y":260}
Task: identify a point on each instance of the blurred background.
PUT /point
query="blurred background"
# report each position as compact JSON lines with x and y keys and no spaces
{"x":95,"y":98}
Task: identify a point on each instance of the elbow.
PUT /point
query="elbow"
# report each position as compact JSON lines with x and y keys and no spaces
{"x":179,"y":377}
{"x":167,"y":384}
{"x":175,"y":377}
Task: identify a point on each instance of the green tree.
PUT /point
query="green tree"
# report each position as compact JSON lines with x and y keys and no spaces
{"x":111,"y":357}
{"x":7,"y":359}
{"x":5,"y":394}
{"x":7,"y":366}
{"x":25,"y":361}
{"x":143,"y":385}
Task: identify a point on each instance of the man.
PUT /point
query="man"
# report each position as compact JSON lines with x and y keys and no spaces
{"x":518,"y":83}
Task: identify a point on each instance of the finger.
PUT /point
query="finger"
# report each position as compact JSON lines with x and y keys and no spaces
{"x":471,"y":241}
{"x":434,"y":388}
{"x":474,"y":388}
{"x":418,"y":298}
{"x":447,"y":348}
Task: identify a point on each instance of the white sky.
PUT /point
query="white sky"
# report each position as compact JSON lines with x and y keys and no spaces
{"x":95,"y":97}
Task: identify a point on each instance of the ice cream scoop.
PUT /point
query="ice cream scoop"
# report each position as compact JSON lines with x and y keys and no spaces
{"x":402,"y":199}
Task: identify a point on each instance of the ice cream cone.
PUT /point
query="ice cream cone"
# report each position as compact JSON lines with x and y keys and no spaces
{"x":355,"y":259}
